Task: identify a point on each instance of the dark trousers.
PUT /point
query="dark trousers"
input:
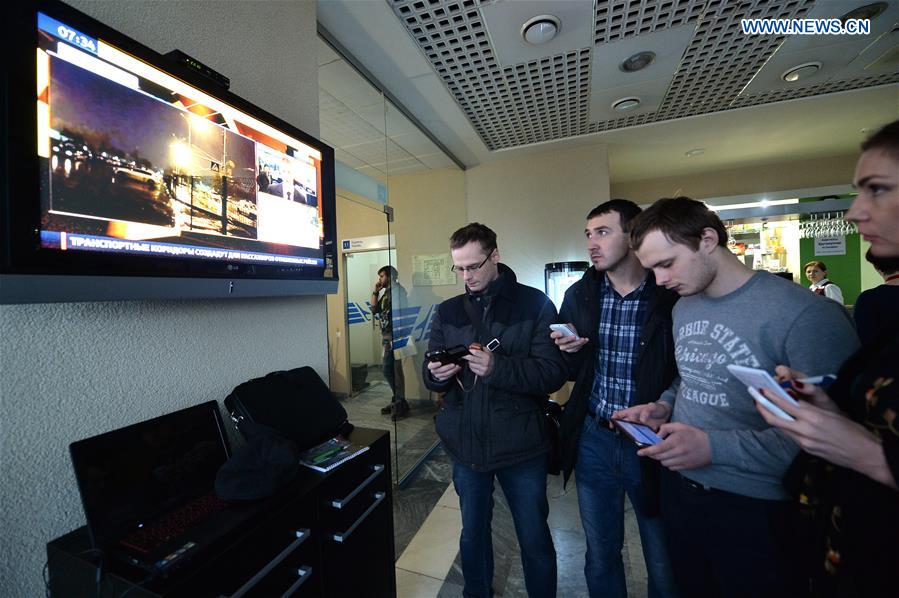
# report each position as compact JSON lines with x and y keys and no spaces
{"x":393,"y":371}
{"x":725,"y":544}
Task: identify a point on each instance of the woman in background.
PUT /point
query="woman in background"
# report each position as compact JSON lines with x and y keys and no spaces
{"x":816,"y":272}
{"x":847,"y":477}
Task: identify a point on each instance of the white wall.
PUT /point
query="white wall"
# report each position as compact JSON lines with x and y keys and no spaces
{"x":538,"y":204}
{"x":68,"y":371}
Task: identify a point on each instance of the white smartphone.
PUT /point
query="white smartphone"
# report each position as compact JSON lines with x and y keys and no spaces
{"x":564,"y":329}
{"x":755,"y":379}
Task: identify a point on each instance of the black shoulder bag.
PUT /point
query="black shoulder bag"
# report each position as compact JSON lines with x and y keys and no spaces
{"x":551,"y":410}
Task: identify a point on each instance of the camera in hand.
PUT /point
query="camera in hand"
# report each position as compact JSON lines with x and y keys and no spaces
{"x":446,"y":356}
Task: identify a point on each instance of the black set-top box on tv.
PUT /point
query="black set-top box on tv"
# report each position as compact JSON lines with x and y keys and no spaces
{"x":127,"y":175}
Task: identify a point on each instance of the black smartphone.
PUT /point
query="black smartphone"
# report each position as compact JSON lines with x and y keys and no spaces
{"x":640,"y":434}
{"x":445,"y":356}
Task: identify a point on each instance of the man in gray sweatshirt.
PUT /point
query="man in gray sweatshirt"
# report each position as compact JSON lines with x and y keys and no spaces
{"x":730,"y":524}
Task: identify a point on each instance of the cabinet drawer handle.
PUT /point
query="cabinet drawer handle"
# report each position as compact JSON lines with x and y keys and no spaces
{"x":379,"y":496}
{"x":304,"y":572}
{"x":301,"y":534}
{"x":342,"y":502}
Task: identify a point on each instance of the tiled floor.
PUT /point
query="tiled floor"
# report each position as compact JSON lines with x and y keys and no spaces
{"x":427,"y":523}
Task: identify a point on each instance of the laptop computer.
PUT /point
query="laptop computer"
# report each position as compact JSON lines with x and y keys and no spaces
{"x":147,"y":489}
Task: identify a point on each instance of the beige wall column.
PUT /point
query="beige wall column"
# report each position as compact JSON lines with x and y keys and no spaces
{"x":537,"y":205}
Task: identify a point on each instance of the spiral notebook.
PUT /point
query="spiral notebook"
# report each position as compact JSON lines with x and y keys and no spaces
{"x":331,"y":453}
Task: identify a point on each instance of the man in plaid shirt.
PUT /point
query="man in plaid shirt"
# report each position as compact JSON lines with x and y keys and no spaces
{"x":625,"y":358}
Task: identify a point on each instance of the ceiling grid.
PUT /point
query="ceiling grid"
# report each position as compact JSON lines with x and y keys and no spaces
{"x":620,"y":19}
{"x":549,"y":99}
{"x":721,"y":61}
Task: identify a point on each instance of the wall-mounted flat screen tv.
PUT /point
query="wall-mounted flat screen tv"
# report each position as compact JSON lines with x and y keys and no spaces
{"x":126,"y":176}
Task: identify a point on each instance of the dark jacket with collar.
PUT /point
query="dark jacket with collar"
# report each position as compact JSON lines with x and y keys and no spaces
{"x":498,"y":421}
{"x":654,"y":369}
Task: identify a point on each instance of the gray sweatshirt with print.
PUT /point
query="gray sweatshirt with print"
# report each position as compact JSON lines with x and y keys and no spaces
{"x":767,"y":322}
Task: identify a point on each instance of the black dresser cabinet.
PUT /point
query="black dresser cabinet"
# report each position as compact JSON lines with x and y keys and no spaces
{"x":326,"y":535}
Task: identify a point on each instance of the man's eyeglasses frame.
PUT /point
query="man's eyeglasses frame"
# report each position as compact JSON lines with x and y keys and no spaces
{"x":462,"y":269}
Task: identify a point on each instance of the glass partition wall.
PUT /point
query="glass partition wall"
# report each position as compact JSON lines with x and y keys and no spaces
{"x":379,"y":325}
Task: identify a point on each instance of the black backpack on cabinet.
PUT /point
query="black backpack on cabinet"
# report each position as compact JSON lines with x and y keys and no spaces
{"x":295,"y":403}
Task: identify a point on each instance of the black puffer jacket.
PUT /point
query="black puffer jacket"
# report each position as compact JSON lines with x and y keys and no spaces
{"x":499,"y":421}
{"x":654,"y":370}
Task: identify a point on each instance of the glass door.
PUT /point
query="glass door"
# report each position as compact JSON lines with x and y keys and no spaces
{"x":415,"y":408}
{"x":373,"y":381}
{"x":386,"y":326}
{"x":385,"y":162}
{"x":365,"y":339}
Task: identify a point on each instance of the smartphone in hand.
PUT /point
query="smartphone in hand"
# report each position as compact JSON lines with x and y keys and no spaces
{"x":755,"y":380}
{"x":641,"y":435}
{"x":563,"y":328}
{"x":447,"y":356}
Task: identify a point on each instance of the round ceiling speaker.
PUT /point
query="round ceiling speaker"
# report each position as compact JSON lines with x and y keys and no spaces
{"x":540,"y":29}
{"x":801,"y":71}
{"x":624,"y":104}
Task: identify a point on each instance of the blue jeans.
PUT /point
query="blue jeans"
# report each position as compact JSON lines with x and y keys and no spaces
{"x":524,"y":486}
{"x":607,"y":467}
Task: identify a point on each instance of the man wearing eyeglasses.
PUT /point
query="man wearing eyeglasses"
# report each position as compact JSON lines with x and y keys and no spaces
{"x":492,"y":422}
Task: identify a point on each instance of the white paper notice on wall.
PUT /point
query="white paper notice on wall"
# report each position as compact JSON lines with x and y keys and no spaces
{"x":830,"y":245}
{"x":432,"y":269}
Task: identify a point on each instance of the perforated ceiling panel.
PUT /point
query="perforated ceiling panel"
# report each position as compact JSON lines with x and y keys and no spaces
{"x":813,"y":90}
{"x":549,"y":99}
{"x":618,"y":19}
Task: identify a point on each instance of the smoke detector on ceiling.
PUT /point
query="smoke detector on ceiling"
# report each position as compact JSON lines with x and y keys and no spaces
{"x":540,"y":29}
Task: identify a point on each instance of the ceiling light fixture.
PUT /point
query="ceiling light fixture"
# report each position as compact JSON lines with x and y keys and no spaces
{"x":765,"y":203}
{"x":625,"y":104}
{"x":869,"y":11}
{"x":540,"y":29}
{"x":695,"y":152}
{"x":637,"y":62}
{"x":800,"y":71}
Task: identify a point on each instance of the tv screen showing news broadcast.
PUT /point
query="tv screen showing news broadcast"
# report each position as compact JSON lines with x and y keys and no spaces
{"x":134,"y":161}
